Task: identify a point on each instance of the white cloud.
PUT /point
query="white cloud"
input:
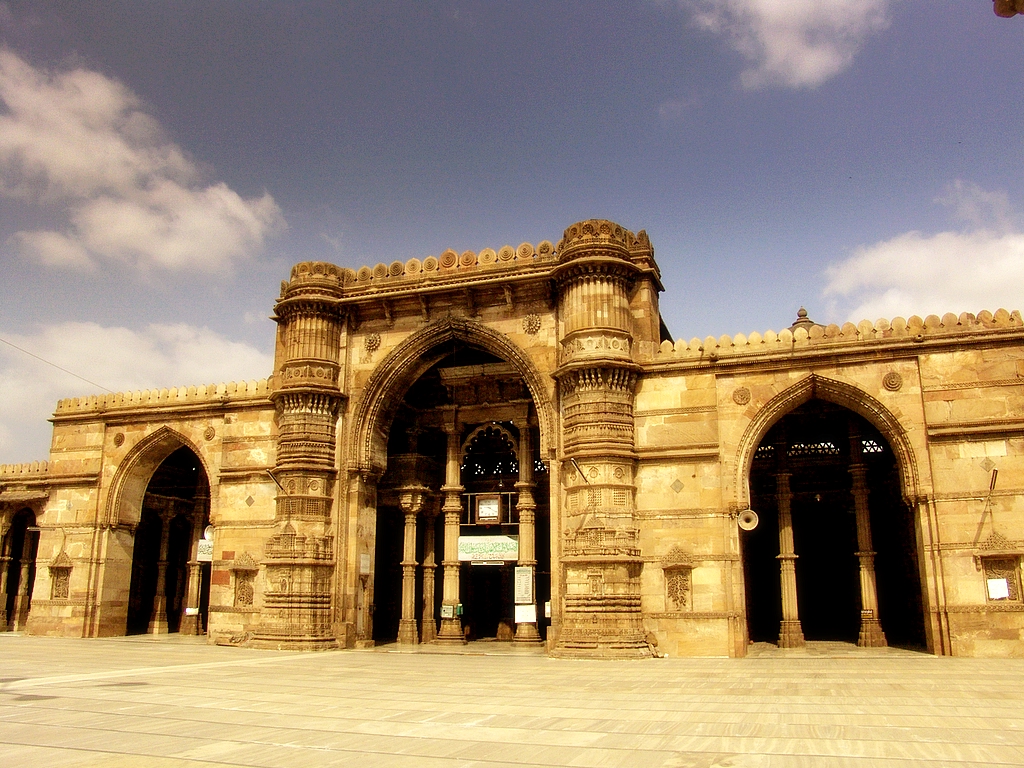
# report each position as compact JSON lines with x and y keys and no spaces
{"x":84,"y":141}
{"x":119,"y":359}
{"x":793,"y":43}
{"x":913,"y":273}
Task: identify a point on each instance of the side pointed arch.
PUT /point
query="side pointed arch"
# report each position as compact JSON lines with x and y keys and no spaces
{"x":839,"y":393}
{"x":124,"y":502}
{"x":413,"y":357}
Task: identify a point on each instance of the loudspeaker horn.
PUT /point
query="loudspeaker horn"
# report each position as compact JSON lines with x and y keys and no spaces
{"x":747,"y":520}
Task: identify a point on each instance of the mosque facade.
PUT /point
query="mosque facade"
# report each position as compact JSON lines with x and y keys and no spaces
{"x":509,"y":445}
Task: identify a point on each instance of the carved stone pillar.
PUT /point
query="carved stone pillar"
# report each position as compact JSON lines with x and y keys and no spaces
{"x":298,"y":606}
{"x":158,"y":617}
{"x":599,"y":263}
{"x":428,"y":632}
{"x":5,"y":564}
{"x":871,"y":634}
{"x":411,"y":502}
{"x":526,"y":506}
{"x":791,"y":633}
{"x":451,"y":624}
{"x":189,"y":624}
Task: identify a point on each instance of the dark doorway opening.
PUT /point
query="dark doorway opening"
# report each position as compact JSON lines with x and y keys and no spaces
{"x":816,"y":445}
{"x":22,"y":543}
{"x":487,"y":599}
{"x":175,"y":511}
{"x":487,"y":404}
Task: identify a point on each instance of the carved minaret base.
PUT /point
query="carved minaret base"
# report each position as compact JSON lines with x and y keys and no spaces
{"x":601,"y":618}
{"x":297,"y":601}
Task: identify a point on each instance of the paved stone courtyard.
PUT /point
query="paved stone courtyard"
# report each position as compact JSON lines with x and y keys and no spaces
{"x":176,"y":703}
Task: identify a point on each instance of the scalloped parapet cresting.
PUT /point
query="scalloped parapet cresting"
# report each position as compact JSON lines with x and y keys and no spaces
{"x":914,"y":329}
{"x":15,"y":471}
{"x":313,"y":272}
{"x":154,"y":398}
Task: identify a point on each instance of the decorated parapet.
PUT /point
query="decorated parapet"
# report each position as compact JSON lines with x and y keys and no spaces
{"x":14,"y":472}
{"x":158,"y":398}
{"x":914,"y":330}
{"x":448,"y":264}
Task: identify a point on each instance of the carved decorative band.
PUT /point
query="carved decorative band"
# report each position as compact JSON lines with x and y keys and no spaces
{"x":303,"y":507}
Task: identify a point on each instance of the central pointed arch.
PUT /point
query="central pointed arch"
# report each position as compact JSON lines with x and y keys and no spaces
{"x":410,"y":359}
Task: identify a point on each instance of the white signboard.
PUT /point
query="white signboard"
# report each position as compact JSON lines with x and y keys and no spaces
{"x":998,"y":589}
{"x":524,"y":584}
{"x":475,"y":548}
{"x":526,"y":614}
{"x":204,"y":552}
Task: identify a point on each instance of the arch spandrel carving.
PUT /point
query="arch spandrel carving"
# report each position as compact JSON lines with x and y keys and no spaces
{"x":391,"y":379}
{"x":839,"y":393}
{"x":124,"y":502}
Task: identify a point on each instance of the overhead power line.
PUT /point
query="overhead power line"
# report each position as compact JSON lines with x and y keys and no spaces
{"x":54,"y":365}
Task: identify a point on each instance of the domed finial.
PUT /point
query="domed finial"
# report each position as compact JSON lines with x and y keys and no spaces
{"x":802,"y":320}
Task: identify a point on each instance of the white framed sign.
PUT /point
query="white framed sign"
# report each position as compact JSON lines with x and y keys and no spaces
{"x":204,"y":552}
{"x":526,"y":614}
{"x":524,"y":584}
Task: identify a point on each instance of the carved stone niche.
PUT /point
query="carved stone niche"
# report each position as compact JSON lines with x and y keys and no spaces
{"x":999,"y":560}
{"x":244,"y":570}
{"x":678,"y":568}
{"x":60,"y":577}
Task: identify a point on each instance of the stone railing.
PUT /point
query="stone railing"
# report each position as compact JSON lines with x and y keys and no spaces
{"x":447,"y":264}
{"x":25,"y":471}
{"x":160,"y":398}
{"x":808,"y":335}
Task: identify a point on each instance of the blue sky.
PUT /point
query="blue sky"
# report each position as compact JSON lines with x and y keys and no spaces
{"x":162,"y":164}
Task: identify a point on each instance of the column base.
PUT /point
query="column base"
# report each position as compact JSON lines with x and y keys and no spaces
{"x":157,"y":627}
{"x":189,"y":626}
{"x":451,"y":633}
{"x":527,"y":633}
{"x":429,"y":631}
{"x":871,"y":634}
{"x":21,"y":606}
{"x":408,"y":632}
{"x":791,"y":634}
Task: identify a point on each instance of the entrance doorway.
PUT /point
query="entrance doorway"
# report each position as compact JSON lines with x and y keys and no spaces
{"x":478,"y":406}
{"x":19,"y":563}
{"x":805,"y":470}
{"x":169,"y":590}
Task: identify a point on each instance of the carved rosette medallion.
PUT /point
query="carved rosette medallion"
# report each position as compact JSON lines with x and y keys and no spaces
{"x":741,"y":396}
{"x":892,"y":381}
{"x":372,"y":342}
{"x":209,"y":433}
{"x":531,"y":324}
{"x":119,"y":439}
